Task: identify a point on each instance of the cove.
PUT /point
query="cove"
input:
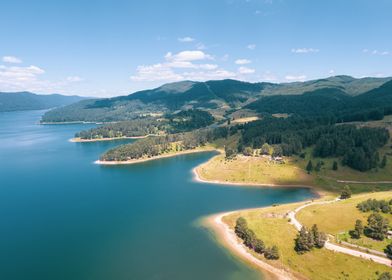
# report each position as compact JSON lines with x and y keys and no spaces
{"x":63,"y":217}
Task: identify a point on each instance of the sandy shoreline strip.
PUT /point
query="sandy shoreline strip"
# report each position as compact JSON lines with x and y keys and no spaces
{"x":80,"y":140}
{"x":228,"y":238}
{"x":134,"y":161}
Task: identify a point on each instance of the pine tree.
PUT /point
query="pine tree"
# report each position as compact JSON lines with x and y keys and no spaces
{"x":359,"y":227}
{"x":388,"y":251}
{"x":309,"y":167}
{"x":346,"y":193}
{"x":319,"y":237}
{"x":302,"y":241}
{"x":383,"y":162}
{"x":378,"y":226}
{"x":318,"y":166}
{"x":259,"y":246}
{"x":335,"y":166}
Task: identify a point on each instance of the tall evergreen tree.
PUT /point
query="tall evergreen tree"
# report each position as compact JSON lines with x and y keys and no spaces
{"x":383,"y":161}
{"x":346,"y":192}
{"x":302,"y":244}
{"x":377,"y":226}
{"x":309,"y":167}
{"x":335,"y":165}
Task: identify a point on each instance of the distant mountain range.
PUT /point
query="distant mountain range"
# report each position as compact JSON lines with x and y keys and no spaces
{"x":19,"y":101}
{"x":223,"y":96}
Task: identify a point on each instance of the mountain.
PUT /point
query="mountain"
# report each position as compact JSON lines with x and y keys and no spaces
{"x":371,"y":105}
{"x":19,"y":101}
{"x":219,"y":97}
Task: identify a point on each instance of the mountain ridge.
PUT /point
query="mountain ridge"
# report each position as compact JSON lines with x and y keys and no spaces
{"x":218,"y":96}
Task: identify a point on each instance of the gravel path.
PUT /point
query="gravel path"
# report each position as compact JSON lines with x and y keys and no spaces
{"x":335,"y":247}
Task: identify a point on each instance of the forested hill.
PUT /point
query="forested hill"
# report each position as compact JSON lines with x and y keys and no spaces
{"x":219,"y":97}
{"x":372,"y":105}
{"x":19,"y":101}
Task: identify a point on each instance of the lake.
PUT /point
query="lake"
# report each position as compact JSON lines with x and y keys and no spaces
{"x":64,"y":217}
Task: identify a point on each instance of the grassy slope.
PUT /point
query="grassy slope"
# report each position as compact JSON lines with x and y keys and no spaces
{"x":340,"y":217}
{"x":253,"y":170}
{"x":270,"y":225}
{"x":262,"y":171}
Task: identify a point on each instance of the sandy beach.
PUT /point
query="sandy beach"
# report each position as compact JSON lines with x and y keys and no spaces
{"x":134,"y":161}
{"x":228,"y":239}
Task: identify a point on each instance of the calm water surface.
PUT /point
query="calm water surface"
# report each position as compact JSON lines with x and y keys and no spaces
{"x":63,"y":217}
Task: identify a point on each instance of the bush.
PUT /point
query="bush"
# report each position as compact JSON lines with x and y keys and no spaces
{"x":346,"y":193}
{"x":388,"y":251}
{"x":375,"y":206}
{"x":385,"y":276}
{"x":272,"y":253}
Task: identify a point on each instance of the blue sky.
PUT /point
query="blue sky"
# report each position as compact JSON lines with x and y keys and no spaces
{"x":107,"y":48}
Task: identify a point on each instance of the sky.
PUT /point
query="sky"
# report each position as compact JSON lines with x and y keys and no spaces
{"x":106,"y":48}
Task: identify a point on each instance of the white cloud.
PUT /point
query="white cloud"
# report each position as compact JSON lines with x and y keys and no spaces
{"x":305,"y":50}
{"x":11,"y":59}
{"x":185,"y":65}
{"x":186,"y":39}
{"x":156,"y":72}
{"x":209,"y":75}
{"x":15,"y":78}
{"x":246,"y":70}
{"x":376,"y":52}
{"x":293,"y":78}
{"x":331,"y":72}
{"x":242,"y":61}
{"x":188,"y":56}
{"x":74,"y":79}
{"x":251,"y":46}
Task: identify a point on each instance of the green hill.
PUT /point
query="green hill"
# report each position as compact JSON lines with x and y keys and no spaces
{"x":219,"y":97}
{"x":19,"y":101}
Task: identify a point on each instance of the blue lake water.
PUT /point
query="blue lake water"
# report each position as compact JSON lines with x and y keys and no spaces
{"x":63,"y":217}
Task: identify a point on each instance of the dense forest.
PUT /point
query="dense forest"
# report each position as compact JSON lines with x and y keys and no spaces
{"x":356,"y":147}
{"x":155,"y":146}
{"x":330,"y":102}
{"x":171,"y":123}
{"x":328,"y":94}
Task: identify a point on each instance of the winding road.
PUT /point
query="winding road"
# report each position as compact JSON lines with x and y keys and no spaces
{"x":334,"y":247}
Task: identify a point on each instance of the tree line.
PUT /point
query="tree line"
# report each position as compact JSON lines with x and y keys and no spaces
{"x":254,"y":243}
{"x":182,"y":121}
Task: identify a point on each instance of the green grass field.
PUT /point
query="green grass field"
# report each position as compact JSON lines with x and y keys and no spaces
{"x":272,"y":227}
{"x":254,"y":170}
{"x":339,"y":218}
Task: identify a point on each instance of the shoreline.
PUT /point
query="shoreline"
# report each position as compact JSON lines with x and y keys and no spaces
{"x":70,"y":122}
{"x":227,"y":238}
{"x":197,"y":178}
{"x":80,"y":140}
{"x":135,"y":161}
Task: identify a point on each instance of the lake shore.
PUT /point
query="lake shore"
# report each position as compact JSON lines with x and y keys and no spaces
{"x":168,"y":155}
{"x":198,"y":178}
{"x":80,"y":140}
{"x":226,"y":237}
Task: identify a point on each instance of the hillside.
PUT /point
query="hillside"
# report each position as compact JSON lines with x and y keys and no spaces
{"x":219,"y":97}
{"x":19,"y":101}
